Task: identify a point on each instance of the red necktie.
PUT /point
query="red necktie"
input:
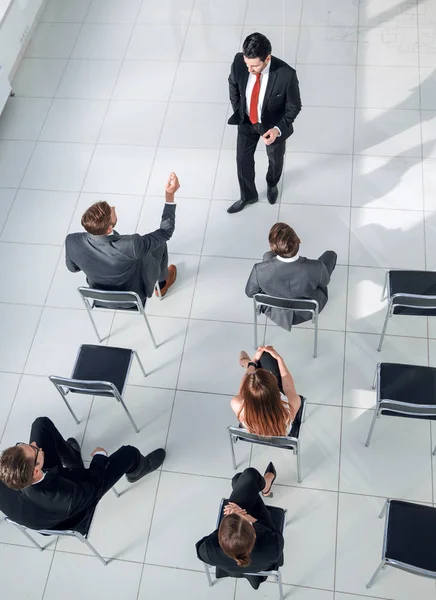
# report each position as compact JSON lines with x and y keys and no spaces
{"x":254,"y":117}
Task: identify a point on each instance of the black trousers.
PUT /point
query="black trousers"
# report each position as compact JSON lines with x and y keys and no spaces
{"x":58,"y":454}
{"x":246,"y":489}
{"x":248,"y":137}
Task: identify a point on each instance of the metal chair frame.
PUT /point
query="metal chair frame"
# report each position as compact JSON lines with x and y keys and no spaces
{"x":265,"y":300}
{"x":89,"y":295}
{"x":395,"y":301}
{"x":61,"y":532}
{"x":401,"y":408}
{"x":284,"y":442}
{"x":276,"y":574}
{"x":107,"y":388}
{"x":389,"y":562}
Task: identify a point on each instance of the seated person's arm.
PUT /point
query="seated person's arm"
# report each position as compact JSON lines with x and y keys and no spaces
{"x":287,"y":382}
{"x":324,"y":278}
{"x":71,"y":266}
{"x":86,"y":493}
{"x":253,"y":286}
{"x":142,"y":244}
{"x":236,"y":404}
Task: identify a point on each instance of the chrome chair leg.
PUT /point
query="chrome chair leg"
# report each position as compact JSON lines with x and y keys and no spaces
{"x":28,"y":536}
{"x":91,"y":547}
{"x":279,"y":581}
{"x":373,"y":578}
{"x":388,"y":314}
{"x":255,"y":324}
{"x":315,"y":342}
{"x":383,"y":510}
{"x":141,"y":366}
{"x":299,"y":479}
{"x":371,"y":429}
{"x":150,"y":331}
{"x":116,"y":492}
{"x":68,"y":405}
{"x":232,"y":450}
{"x":157,"y":288}
{"x":88,"y":310}
{"x":135,"y":427}
{"x":209,"y":578}
{"x":374,"y":381}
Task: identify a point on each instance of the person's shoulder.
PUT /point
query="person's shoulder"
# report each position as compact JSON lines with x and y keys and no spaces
{"x":75,"y":237}
{"x":239,"y":58}
{"x":281,"y":65}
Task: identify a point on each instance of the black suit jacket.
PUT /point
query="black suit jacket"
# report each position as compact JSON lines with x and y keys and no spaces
{"x":121,"y":262}
{"x":60,"y":501}
{"x":282,"y":101}
{"x":267,"y":554}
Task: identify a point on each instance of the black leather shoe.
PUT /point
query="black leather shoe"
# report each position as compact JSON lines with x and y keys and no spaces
{"x":147,"y":464}
{"x":239,"y":205}
{"x":76,"y":458}
{"x":272,"y":194}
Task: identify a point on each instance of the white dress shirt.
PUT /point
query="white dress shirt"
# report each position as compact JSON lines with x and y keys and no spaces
{"x":291,"y":259}
{"x":249,"y":90}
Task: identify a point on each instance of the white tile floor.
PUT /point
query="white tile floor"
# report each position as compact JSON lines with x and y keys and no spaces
{"x":111,"y":96}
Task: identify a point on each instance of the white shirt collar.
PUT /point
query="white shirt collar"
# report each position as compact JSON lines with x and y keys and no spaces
{"x":288,"y":260}
{"x":36,"y":482}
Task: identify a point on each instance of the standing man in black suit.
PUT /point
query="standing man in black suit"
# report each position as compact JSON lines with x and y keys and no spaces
{"x":265,"y":97}
{"x":44,"y":484}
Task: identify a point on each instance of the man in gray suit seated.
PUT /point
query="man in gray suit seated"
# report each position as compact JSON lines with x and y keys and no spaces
{"x":117,"y":262}
{"x":285,"y":274}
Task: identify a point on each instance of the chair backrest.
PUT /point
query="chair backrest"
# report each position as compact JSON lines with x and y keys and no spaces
{"x":64,"y":532}
{"x":417,"y":301}
{"x":298,"y":304}
{"x":396,"y":408}
{"x":111,"y":299}
{"x":79,"y":386}
{"x":284,"y":442}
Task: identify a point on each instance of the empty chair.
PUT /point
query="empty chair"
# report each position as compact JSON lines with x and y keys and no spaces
{"x":116,"y":301}
{"x":404,"y":391}
{"x":299,"y":305}
{"x":99,"y":371}
{"x":409,"y":293}
{"x":408,"y":541}
{"x":289,"y":442}
{"x":278,"y":516}
{"x":80,"y":532}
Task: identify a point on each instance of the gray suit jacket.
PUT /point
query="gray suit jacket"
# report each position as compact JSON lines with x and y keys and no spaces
{"x":121,"y":262}
{"x":304,"y":278}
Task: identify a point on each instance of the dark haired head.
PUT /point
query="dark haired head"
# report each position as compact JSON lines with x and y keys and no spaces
{"x":236,"y":537}
{"x":283,"y":240}
{"x":256,"y":45}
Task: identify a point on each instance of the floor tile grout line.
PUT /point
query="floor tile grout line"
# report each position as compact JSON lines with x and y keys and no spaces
{"x":346,"y":318}
{"x":187,"y":325}
{"x":15,"y":197}
{"x":432,"y":459}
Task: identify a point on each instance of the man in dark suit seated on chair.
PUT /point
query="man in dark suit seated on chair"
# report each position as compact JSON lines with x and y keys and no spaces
{"x":131,"y":263}
{"x":44,"y":485}
{"x":285,"y":274}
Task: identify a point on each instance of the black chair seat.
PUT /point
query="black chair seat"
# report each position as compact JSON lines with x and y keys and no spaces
{"x":103,"y":363}
{"x":411,"y":534}
{"x":413,"y":384}
{"x":422,"y":283}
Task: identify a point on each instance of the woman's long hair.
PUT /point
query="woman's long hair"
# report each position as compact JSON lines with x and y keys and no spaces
{"x":265,"y":413}
{"x":236,"y":537}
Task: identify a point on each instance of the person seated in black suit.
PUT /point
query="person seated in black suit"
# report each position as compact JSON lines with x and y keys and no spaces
{"x":246,"y":540}
{"x":267,"y":402}
{"x":125,"y":263}
{"x":285,"y":274}
{"x":44,"y":484}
